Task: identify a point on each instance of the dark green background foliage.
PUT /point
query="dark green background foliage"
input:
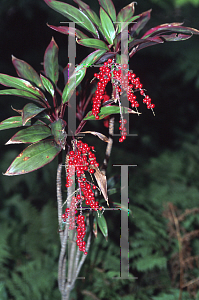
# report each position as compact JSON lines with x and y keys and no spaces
{"x":165,"y":151}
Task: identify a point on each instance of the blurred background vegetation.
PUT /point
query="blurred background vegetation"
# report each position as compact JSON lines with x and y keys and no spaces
{"x":165,"y":152}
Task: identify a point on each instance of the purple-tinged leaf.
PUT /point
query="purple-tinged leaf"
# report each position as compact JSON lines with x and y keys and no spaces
{"x":23,"y":94}
{"x":13,"y":122}
{"x":109,"y":110}
{"x":125,"y":14}
{"x":25,"y":71}
{"x":48,"y":85}
{"x":101,"y":221}
{"x":175,"y":37}
{"x":169,"y":27}
{"x":51,"y":66}
{"x":109,"y":7}
{"x":59,"y":133}
{"x":107,"y":26}
{"x":98,"y":134}
{"x":138,"y":44}
{"x":134,"y":29}
{"x":29,"y":111}
{"x":93,"y":43}
{"x":105,"y":57}
{"x":89,"y":12}
{"x":31,"y":135}
{"x":34,"y":157}
{"x":73,"y":31}
{"x":73,"y":14}
{"x":124,"y":25}
{"x":21,"y":84}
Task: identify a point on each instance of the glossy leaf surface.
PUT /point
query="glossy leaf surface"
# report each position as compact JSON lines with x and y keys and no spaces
{"x":91,"y":58}
{"x":31,"y":134}
{"x":73,"y":14}
{"x":12,"y":122}
{"x":101,"y":221}
{"x":73,"y":31}
{"x":25,"y":71}
{"x":34,"y":157}
{"x":125,"y":14}
{"x":58,"y":131}
{"x":51,"y":66}
{"x":21,"y":93}
{"x":141,"y":21}
{"x":48,"y":85}
{"x":89,"y":12}
{"x":108,"y":110}
{"x":109,"y":7}
{"x":93,"y":43}
{"x":29,"y":111}
{"x":21,"y":84}
{"x":107,"y":26}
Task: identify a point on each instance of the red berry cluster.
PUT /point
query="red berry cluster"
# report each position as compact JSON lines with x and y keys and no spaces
{"x":122,"y":130}
{"x":104,"y":77}
{"x":80,"y":160}
{"x":81,"y":232}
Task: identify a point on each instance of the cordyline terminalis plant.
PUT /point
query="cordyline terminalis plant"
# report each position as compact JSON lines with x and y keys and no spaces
{"x":47,"y":128}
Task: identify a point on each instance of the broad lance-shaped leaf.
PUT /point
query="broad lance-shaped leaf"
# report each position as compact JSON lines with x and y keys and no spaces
{"x":109,"y":110}
{"x":109,"y":7}
{"x":101,"y":221}
{"x":107,"y":26}
{"x":73,"y":31}
{"x":20,"y":84}
{"x":23,"y":94}
{"x":169,"y":27}
{"x":73,"y":14}
{"x":13,"y":122}
{"x":93,"y":43}
{"x":89,"y":12}
{"x":125,"y":14}
{"x":48,"y":85}
{"x":72,"y":83}
{"x":51,"y":66}
{"x":34,"y":157}
{"x":25,"y":71}
{"x":29,"y":111}
{"x":31,"y":134}
{"x":79,"y":74}
{"x":59,"y":133}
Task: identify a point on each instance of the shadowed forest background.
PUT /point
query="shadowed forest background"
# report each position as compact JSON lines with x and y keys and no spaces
{"x":165,"y":151}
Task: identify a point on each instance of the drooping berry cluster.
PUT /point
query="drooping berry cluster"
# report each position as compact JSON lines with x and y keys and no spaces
{"x":81,"y":159}
{"x":122,"y":79}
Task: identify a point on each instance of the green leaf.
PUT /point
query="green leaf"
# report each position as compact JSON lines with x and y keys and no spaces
{"x":72,"y":83}
{"x":21,"y":93}
{"x":101,"y":221}
{"x":89,"y":12}
{"x":21,"y":84}
{"x":93,"y":43}
{"x":34,"y":157}
{"x":126,"y":12}
{"x":108,"y":110}
{"x":73,"y":31}
{"x":31,"y":134}
{"x":58,"y":131}
{"x":25,"y":71}
{"x":48,"y":85}
{"x":91,"y":58}
{"x":107,"y":26}
{"x":29,"y":111}
{"x":51,"y":66}
{"x":109,"y":7}
{"x":13,"y":122}
{"x":73,"y":14}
